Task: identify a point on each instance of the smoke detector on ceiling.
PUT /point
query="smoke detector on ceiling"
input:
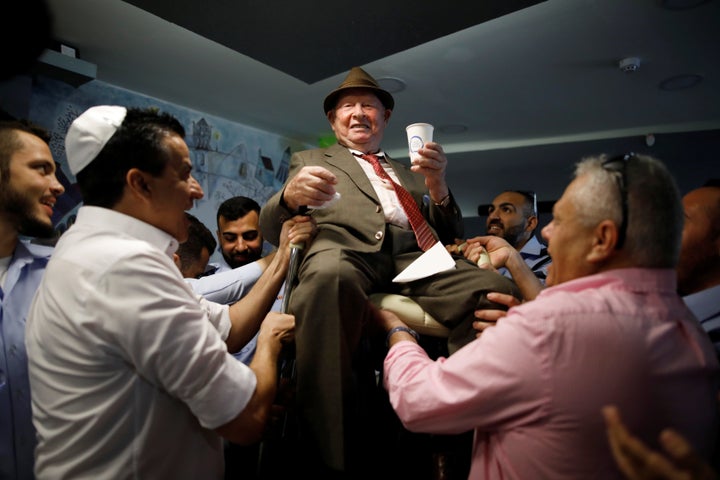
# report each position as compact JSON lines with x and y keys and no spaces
{"x":629,"y":64}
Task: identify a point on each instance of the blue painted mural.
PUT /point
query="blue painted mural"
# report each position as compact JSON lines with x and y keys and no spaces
{"x":228,"y":158}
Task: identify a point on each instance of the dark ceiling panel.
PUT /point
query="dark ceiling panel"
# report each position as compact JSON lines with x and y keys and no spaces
{"x":314,"y":40}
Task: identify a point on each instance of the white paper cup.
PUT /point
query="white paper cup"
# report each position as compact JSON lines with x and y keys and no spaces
{"x":418,"y":134}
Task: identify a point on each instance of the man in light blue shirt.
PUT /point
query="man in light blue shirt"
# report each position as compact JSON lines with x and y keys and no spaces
{"x":241,"y":243}
{"x":28,"y":192}
{"x":699,"y":266}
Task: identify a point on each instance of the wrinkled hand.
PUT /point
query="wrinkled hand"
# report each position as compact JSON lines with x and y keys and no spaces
{"x":489,"y":317}
{"x":457,"y":247}
{"x":432,"y":164}
{"x":477,"y":254}
{"x":638,"y":462}
{"x":311,"y":187}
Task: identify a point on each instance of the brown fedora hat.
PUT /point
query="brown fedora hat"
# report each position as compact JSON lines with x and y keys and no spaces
{"x":359,"y":78}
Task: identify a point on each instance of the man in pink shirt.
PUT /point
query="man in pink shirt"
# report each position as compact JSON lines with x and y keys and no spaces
{"x":609,"y":329}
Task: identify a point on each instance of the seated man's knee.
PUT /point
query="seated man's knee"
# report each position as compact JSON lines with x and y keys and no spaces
{"x":330,"y":268}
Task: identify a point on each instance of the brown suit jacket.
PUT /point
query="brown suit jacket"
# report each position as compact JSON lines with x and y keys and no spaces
{"x":360,"y":223}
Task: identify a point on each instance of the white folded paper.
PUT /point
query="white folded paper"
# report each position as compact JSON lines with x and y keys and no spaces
{"x":329,"y":203}
{"x":436,"y":259}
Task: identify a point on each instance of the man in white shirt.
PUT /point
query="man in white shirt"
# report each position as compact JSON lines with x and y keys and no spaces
{"x":129,"y":370}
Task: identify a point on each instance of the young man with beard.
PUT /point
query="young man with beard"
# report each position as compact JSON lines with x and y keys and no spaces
{"x":28,"y":192}
{"x":239,"y":236}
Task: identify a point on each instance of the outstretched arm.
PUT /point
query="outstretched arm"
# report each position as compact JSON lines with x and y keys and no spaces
{"x":248,"y":426}
{"x":502,"y":254}
{"x":247,"y":314}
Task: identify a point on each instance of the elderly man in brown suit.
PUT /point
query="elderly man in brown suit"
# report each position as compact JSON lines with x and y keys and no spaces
{"x":364,"y":239}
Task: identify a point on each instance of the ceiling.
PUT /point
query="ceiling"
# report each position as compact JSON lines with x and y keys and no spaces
{"x":534,"y":84}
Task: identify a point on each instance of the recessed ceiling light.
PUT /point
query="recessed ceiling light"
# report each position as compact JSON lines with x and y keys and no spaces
{"x":680,"y":82}
{"x":391,"y":84}
{"x":452,"y":128}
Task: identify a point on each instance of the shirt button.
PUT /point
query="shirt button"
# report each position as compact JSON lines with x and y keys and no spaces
{"x":378,"y":209}
{"x":379,"y":235}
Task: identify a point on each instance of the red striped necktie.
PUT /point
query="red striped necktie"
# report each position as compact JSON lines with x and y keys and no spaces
{"x":423,"y":234}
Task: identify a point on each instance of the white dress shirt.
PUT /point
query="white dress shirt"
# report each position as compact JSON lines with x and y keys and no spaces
{"x":391,"y":206}
{"x":128,"y":376}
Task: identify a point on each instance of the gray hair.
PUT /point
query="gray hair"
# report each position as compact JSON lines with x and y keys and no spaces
{"x":655,"y":212}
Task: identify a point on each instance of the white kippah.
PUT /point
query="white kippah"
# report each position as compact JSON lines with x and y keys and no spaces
{"x":89,"y":133}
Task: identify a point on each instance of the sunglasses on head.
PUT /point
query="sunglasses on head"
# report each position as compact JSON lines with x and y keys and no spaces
{"x":618,"y":164}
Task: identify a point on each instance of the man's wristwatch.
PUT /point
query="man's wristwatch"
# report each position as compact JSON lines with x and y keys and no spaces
{"x":394,"y":330}
{"x":444,"y":202}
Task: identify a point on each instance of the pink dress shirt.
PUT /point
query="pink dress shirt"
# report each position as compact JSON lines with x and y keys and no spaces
{"x":532,"y":387}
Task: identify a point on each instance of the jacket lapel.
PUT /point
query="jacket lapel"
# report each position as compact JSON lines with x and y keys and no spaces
{"x":340,"y":158}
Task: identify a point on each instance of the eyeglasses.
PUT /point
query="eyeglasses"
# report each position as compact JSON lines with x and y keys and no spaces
{"x":531,"y":196}
{"x":619,"y":164}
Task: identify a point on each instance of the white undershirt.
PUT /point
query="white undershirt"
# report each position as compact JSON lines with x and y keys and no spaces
{"x":394,"y":212}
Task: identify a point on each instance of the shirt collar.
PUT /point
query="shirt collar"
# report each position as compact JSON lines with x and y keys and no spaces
{"x":108,"y":219}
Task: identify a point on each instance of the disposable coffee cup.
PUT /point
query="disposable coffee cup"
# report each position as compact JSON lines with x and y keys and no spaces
{"x":418,"y":134}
